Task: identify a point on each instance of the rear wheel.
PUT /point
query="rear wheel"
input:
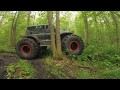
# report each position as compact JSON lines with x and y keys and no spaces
{"x":27,"y":49}
{"x":72,"y":44}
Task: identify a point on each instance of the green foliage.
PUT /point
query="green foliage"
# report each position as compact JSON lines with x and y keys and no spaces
{"x":70,"y":56}
{"x":20,"y":70}
{"x":107,"y":52}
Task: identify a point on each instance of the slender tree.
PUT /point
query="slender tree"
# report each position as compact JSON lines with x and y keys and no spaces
{"x":50,"y":20}
{"x":86,"y":26}
{"x":11,"y":32}
{"x":58,"y":39}
{"x":34,"y":18}
{"x":14,"y":28}
{"x":28,"y":18}
{"x":115,"y":21}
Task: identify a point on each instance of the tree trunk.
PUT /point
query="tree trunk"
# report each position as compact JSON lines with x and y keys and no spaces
{"x":50,"y":19}
{"x":14,"y":29}
{"x":1,"y":22}
{"x":96,"y":28}
{"x":115,"y":21}
{"x":102,"y":36}
{"x":108,"y":27}
{"x":11,"y":32}
{"x":58,"y":39}
{"x":28,"y":18}
{"x":86,"y":27}
{"x":34,"y":18}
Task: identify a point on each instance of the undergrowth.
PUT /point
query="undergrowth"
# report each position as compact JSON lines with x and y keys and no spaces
{"x":22,"y":69}
{"x":94,"y":63}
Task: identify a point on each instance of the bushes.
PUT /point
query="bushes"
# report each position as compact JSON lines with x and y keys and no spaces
{"x":106,"y":52}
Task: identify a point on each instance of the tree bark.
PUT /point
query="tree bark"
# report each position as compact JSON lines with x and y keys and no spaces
{"x":86,"y":27}
{"x":14,"y":29}
{"x":11,"y":31}
{"x":34,"y":18}
{"x":1,"y":22}
{"x":96,"y":28}
{"x":28,"y":18}
{"x":50,"y":19}
{"x":58,"y":39}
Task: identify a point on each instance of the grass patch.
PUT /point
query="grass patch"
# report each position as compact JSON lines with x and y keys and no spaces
{"x":82,"y":74}
{"x":110,"y":74}
{"x":6,"y":48}
{"x":22,"y":69}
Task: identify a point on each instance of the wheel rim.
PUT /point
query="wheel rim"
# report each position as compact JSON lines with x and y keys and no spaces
{"x":74,"y":46}
{"x":26,"y":49}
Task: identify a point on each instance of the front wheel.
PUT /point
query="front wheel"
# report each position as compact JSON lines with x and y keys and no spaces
{"x":72,"y":44}
{"x":27,"y":49}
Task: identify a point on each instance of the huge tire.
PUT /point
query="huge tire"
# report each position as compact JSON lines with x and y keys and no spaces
{"x":27,"y":49}
{"x":72,"y":44}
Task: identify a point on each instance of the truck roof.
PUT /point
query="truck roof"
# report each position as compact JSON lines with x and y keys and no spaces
{"x":38,"y":25}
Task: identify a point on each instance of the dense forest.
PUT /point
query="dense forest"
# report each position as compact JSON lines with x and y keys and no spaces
{"x":100,"y":31}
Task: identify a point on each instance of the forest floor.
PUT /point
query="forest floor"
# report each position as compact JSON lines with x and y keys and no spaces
{"x":47,"y":68}
{"x":7,"y":58}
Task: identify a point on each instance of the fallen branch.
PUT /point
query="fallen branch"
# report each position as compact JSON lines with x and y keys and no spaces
{"x":86,"y":67}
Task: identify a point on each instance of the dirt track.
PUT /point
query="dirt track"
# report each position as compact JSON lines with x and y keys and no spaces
{"x":5,"y":60}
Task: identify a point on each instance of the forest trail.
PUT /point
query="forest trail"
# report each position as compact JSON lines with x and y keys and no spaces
{"x":6,"y":59}
{"x":41,"y":72}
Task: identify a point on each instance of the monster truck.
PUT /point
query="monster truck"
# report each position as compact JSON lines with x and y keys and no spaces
{"x":38,"y":38}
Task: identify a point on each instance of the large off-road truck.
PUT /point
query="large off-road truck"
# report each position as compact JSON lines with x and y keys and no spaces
{"x":38,"y":38}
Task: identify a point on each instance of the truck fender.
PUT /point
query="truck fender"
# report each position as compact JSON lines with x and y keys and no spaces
{"x":64,"y":33}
